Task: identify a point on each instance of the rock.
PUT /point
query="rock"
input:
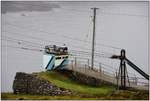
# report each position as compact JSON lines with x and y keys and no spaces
{"x":32,"y":84}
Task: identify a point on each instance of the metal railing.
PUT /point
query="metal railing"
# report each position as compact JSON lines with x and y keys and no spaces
{"x":104,"y":73}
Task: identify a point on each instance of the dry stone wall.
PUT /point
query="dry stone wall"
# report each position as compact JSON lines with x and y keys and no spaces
{"x":84,"y":79}
{"x":32,"y":84}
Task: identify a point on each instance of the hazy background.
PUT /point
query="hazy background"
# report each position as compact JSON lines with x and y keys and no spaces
{"x":119,"y":24}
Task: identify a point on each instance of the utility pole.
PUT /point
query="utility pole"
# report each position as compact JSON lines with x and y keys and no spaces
{"x":93,"y":39}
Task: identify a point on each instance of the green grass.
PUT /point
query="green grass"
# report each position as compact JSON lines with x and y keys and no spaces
{"x":117,"y":95}
{"x":11,"y":96}
{"x":65,"y":82}
{"x":81,"y":92}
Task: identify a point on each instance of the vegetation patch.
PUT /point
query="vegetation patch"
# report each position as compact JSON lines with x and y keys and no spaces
{"x":11,"y":96}
{"x":80,"y":91}
{"x":117,"y":95}
{"x":65,"y":82}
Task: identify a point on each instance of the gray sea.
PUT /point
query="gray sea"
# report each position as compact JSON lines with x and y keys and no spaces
{"x":30,"y":24}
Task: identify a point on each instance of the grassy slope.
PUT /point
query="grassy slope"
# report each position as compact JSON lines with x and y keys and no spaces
{"x":92,"y":93}
{"x":64,"y":82}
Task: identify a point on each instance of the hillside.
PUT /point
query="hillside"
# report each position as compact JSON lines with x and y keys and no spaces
{"x":64,"y":81}
{"x":80,"y":90}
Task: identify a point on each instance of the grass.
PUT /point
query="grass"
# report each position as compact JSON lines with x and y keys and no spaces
{"x":118,"y":95}
{"x":82,"y":92}
{"x":65,"y":82}
{"x":11,"y":96}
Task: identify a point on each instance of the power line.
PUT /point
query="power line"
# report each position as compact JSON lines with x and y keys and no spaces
{"x":137,"y":78}
{"x":64,"y":36}
{"x":112,"y":68}
{"x":20,"y":40}
{"x":88,"y":53}
{"x":102,"y":67}
{"x":124,"y":14}
{"x":20,"y":43}
{"x":77,"y":52}
{"x":24,"y":48}
{"x":84,"y":54}
{"x":47,"y":40}
{"x":36,"y":38}
{"x":76,"y":10}
{"x":48,"y":33}
{"x":38,"y":50}
{"x":73,"y":56}
{"x":106,"y":65}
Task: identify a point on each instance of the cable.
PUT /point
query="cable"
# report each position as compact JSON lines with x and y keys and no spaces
{"x":54,"y":41}
{"x":74,"y":56}
{"x":64,"y":36}
{"x":19,"y":42}
{"x":105,"y":65}
{"x":103,"y":54}
{"x":137,"y":78}
{"x":36,"y":38}
{"x":24,"y":48}
{"x":29,"y":36}
{"x":102,"y":64}
{"x":88,"y":31}
{"x":77,"y":52}
{"x":124,"y":14}
{"x":76,"y":10}
{"x":82,"y":52}
{"x":22,"y":40}
{"x":87,"y":55}
{"x":99,"y":56}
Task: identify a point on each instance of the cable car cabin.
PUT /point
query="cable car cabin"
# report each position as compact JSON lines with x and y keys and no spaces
{"x":55,"y":57}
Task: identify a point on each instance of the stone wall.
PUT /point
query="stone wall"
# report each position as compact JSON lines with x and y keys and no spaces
{"x":32,"y":84}
{"x":84,"y":79}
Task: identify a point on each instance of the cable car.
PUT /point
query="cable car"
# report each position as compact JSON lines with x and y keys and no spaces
{"x":55,"y":57}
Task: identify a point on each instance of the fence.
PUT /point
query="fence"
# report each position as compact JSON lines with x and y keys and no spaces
{"x":105,"y":73}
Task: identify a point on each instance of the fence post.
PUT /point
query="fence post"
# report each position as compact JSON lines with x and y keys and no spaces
{"x":88,"y":64}
{"x":75,"y":62}
{"x":116,"y":75}
{"x":100,"y":68}
{"x":117,"y":78}
{"x":114,"y":78}
{"x":135,"y":80}
{"x":72,"y":64}
{"x":85,"y":68}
